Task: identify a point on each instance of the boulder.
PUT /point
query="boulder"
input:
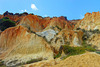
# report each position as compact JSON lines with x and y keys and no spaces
{"x":47,"y":34}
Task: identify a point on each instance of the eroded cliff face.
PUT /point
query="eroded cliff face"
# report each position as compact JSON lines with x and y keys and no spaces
{"x":36,"y":37}
{"x":94,"y":40}
{"x":19,"y":46}
{"x":59,"y":23}
{"x":38,"y":24}
{"x":90,"y":21}
{"x":64,"y":37}
{"x":32,"y":23}
{"x":91,"y":27}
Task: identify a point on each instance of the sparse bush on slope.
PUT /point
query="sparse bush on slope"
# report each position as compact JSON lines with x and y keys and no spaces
{"x":6,"y":23}
{"x":69,"y":51}
{"x":2,"y":64}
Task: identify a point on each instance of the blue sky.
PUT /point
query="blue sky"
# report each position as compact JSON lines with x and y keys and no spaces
{"x":72,"y":9}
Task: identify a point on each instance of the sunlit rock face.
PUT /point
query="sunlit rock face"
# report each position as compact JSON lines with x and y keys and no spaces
{"x":76,"y":41}
{"x":38,"y":24}
{"x":48,"y":34}
{"x":94,"y":40}
{"x":91,"y":21}
{"x":19,"y":46}
{"x":58,"y":23}
{"x":36,"y":37}
{"x":65,"y":37}
{"x":91,"y":24}
{"x":32,"y":23}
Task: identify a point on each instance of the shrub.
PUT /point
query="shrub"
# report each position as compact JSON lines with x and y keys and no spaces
{"x":69,"y":51}
{"x":58,"y":55}
{"x":6,"y":23}
{"x":73,"y":50}
{"x":2,"y":64}
{"x":96,"y":31}
{"x":6,"y":18}
{"x":83,"y":30}
{"x":22,"y":14}
{"x":78,"y":29}
{"x":88,"y":47}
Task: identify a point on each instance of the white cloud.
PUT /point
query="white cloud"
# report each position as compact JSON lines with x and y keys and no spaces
{"x":34,"y":7}
{"x":24,"y":10}
{"x":45,"y":15}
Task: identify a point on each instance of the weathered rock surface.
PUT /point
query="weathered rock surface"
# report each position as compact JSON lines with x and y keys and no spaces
{"x":48,"y":34}
{"x":90,"y":21}
{"x":94,"y":40}
{"x":58,"y":23}
{"x":69,"y":37}
{"x":36,"y":37}
{"x":0,"y":31}
{"x":91,"y":26}
{"x":19,"y":46}
{"x":32,"y":23}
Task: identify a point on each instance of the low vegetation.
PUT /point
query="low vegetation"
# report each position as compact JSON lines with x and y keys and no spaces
{"x":1,"y":64}
{"x":6,"y":23}
{"x":70,"y":51}
{"x":58,"y":55}
{"x":88,"y":47}
{"x":88,"y":33}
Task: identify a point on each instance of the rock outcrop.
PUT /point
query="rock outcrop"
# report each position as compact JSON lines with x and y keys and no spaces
{"x":94,"y":40}
{"x":32,"y":23}
{"x":19,"y":46}
{"x":35,"y":37}
{"x":14,"y":17}
{"x":7,"y":13}
{"x":91,"y":21}
{"x":59,"y":23}
{"x":47,"y":34}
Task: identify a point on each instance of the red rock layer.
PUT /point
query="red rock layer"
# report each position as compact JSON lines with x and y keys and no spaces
{"x":36,"y":23}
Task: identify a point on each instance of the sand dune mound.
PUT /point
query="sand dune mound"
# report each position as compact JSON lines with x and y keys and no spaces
{"x":85,"y":60}
{"x":88,"y":59}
